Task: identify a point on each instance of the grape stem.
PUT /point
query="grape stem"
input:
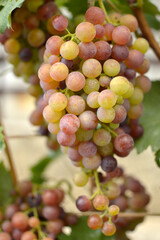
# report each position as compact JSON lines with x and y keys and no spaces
{"x":99,"y":191}
{"x":38,"y":228}
{"x":101,"y":4}
{"x":112,"y":5}
{"x":139,"y":3}
{"x":69,"y":191}
{"x":105,"y":212}
{"x":109,"y":130}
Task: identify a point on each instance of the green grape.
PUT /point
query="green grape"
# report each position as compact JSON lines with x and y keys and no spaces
{"x":50,"y":115}
{"x":69,"y":50}
{"x":13,"y":59}
{"x":130,"y":91}
{"x":106,"y":115}
{"x":58,"y":101}
{"x":92,"y":99}
{"x":101,"y":137}
{"x":25,"y":68}
{"x":119,"y":85}
{"x":83,"y":135}
{"x":36,"y":37}
{"x":114,"y":125}
{"x":91,"y":85}
{"x":113,"y":210}
{"x":75,"y":81}
{"x":106,"y":150}
{"x":107,"y":99}
{"x":91,"y":68}
{"x":137,"y":96}
{"x":141,"y":44}
{"x":111,"y":67}
{"x":120,"y":100}
{"x":43,"y":73}
{"x":80,"y":179}
{"x":12,"y":46}
{"x":33,"y":5}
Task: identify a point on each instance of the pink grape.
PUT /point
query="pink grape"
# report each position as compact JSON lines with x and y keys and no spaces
{"x":60,"y":23}
{"x":100,"y":31}
{"x":53,"y":45}
{"x":123,"y":143}
{"x":87,"y":50}
{"x":88,"y":120}
{"x":69,"y":123}
{"x":103,"y":50}
{"x":87,"y":149}
{"x":135,"y":59}
{"x":75,"y":81}
{"x":76,"y":105}
{"x":121,"y":35}
{"x":92,"y":162}
{"x":95,"y":15}
{"x":66,"y":139}
{"x":59,"y":71}
{"x":85,"y":32}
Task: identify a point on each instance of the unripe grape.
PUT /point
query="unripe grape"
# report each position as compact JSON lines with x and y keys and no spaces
{"x":50,"y":115}
{"x":69,"y":50}
{"x":137,"y":96}
{"x":111,"y":67}
{"x":92,"y":162}
{"x":119,"y":85}
{"x":106,"y":115}
{"x":69,"y":123}
{"x":80,"y":179}
{"x":113,"y":210}
{"x":91,"y":85}
{"x":141,"y":44}
{"x":85,"y":32}
{"x":107,"y":99}
{"x":53,"y":45}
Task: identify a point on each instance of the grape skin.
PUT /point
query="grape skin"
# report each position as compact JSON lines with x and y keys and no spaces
{"x":107,"y":99}
{"x":105,"y":115}
{"x":92,"y":162}
{"x":103,"y":50}
{"x":94,"y":222}
{"x":91,"y":84}
{"x":66,"y":139}
{"x":100,"y":31}
{"x":53,"y":45}
{"x":75,"y":81}
{"x":88,"y":120}
{"x":123,"y":143}
{"x":95,"y":15}
{"x":129,"y":21}
{"x":76,"y":105}
{"x":87,"y":50}
{"x":69,"y":50}
{"x":143,"y":83}
{"x":87,"y":149}
{"x":85,"y":32}
{"x":59,"y":71}
{"x":69,"y":123}
{"x":58,"y":101}
{"x":60,"y":23}
{"x":120,"y":53}
{"x":101,"y":137}
{"x":91,"y":68}
{"x":92,"y":99}
{"x":121,"y":35}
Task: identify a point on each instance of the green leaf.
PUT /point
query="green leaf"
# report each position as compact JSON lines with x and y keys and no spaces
{"x":37,"y":171}
{"x":3,"y":2}
{"x":76,"y":7}
{"x":2,"y":144}
{"x":5,"y":13}
{"x":153,"y":21}
{"x":150,"y":120}
{"x":6,"y":185}
{"x":122,"y":5}
{"x":157,"y":158}
{"x":81,"y":231}
{"x":150,"y":8}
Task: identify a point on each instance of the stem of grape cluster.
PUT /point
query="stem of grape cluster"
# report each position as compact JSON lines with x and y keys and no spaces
{"x":112,"y":5}
{"x":139,"y":3}
{"x":109,"y":130}
{"x":91,"y":3}
{"x":105,"y":212}
{"x":101,"y":4}
{"x":99,"y":191}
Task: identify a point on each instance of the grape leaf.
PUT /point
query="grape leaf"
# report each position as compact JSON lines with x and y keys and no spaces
{"x":5,"y":13}
{"x":150,"y":120}
{"x":157,"y":157}
{"x":6,"y":185}
{"x":76,"y":7}
{"x":37,"y":171}
{"x":152,"y":21}
{"x":150,"y":8}
{"x":2,"y":144}
{"x":82,"y":231}
{"x":3,"y":2}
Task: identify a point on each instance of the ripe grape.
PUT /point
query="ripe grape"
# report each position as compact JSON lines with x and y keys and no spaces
{"x":144,"y":67}
{"x":28,"y":236}
{"x":88,"y":120}
{"x":109,"y":164}
{"x":68,"y":63}
{"x":24,"y":188}
{"x":43,"y":73}
{"x":121,"y":35}
{"x":83,"y":203}
{"x":7,"y":227}
{"x":76,"y":105}
{"x":55,"y":227}
{"x":95,"y":15}
{"x":120,"y":114}
{"x":53,"y":45}
{"x":92,"y":99}
{"x":136,"y":131}
{"x":11,"y":210}
{"x":111,"y":67}
{"x":50,"y":197}
{"x":20,"y":221}
{"x":92,"y":162}
{"x":101,"y":137}
{"x":107,"y":99}
{"x":31,"y":22}
{"x":87,"y":149}
{"x":91,"y":68}
{"x":108,"y":229}
{"x":66,"y":139}
{"x":123,"y":143}
{"x":69,"y":123}
{"x":33,"y":222}
{"x":75,"y":81}
{"x":143,"y":83}
{"x":49,"y":86}
{"x":59,"y":71}
{"x":60,"y":23}
{"x":120,"y":53}
{"x":51,"y":212}
{"x":104,"y":81}
{"x":94,"y":222}
{"x":105,"y":115}
{"x":119,"y":85}
{"x":100,"y":202}
{"x":53,"y":59}
{"x":109,"y":27}
{"x":100,"y":31}
{"x":73,"y":154}
{"x":80,"y":179}
{"x":91,"y":85}
{"x":25,"y":54}
{"x":50,"y":115}
{"x":130,"y":73}
{"x":129,"y":21}
{"x":103,"y":50}
{"x":141,"y":44}
{"x":87,"y":50}
{"x":135,"y":59}
{"x":69,"y":50}
{"x":85,"y":32}
{"x":58,"y":101}
{"x":36,"y":37}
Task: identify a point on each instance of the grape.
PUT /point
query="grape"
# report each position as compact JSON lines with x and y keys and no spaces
{"x":71,"y":219}
{"x":46,"y":56}
{"x":7,"y":227}
{"x":108,"y":229}
{"x":25,"y":54}
{"x":15,"y":32}
{"x":129,"y":21}
{"x":59,"y":71}
{"x":87,"y":50}
{"x":3,"y":38}
{"x":33,"y":222}
{"x":11,"y":210}
{"x":144,"y":67}
{"x":105,"y":115}
{"x":53,"y":127}
{"x":12,"y":46}
{"x":66,"y":139}
{"x":106,"y":150}
{"x":60,"y":23}
{"x":109,"y":164}
{"x":44,"y":12}
{"x":76,"y":105}
{"x":68,"y":63}
{"x":69,"y":50}
{"x":100,"y":31}
{"x":49,"y":86}
{"x":113,"y":210}
{"x":104,"y":81}
{"x":88,"y":120}
{"x":111,"y":67}
{"x":92,"y":99}
{"x":32,"y":6}
{"x":100,"y":202}
{"x":69,"y":123}
{"x":58,"y":101}
{"x":20,"y":221}
{"x":115,"y":17}
{"x":20,"y":14}
{"x":123,"y":143}
{"x":83,"y":135}
{"x":75,"y":81}
{"x":135,"y":59}
{"x":24,"y":188}
{"x":43,"y":73}
{"x":107,"y":99}
{"x":25,"y":68}
{"x":135,"y":111}
{"x":95,"y":15}
{"x":141,"y":44}
{"x":130,"y":91}
{"x":91,"y":68}
{"x":119,"y":85}
{"x":120,"y":53}
{"x":92,"y":162}
{"x":51,"y":213}
{"x":80,"y":179}
{"x":120,"y":100}
{"x":122,"y":69}
{"x":53,"y":59}
{"x":94,"y":222}
{"x":113,"y":190}
{"x":137,"y":96}
{"x":143,"y":83}
{"x":101,"y":137}
{"x":52,"y":6}
{"x":130,"y":74}
{"x":50,"y":197}
{"x":85,"y":32}
{"x":91,"y":85}
{"x":136,"y":131}
{"x":53,"y":45}
{"x":50,"y":115}
{"x":73,"y":154}
{"x":109,"y":27}
{"x":55,"y":227}
{"x":87,"y":149}
{"x":48,"y":94}
{"x":121,"y":35}
{"x":31,"y":22}
{"x":120,"y":114}
{"x":28,"y":236}
{"x":137,"y":201}
{"x":83,"y":203}
{"x":36,"y":37}
{"x":103,"y":50}
{"x":4,"y":236}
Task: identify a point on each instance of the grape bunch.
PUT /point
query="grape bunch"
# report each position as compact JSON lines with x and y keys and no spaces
{"x":35,"y":215}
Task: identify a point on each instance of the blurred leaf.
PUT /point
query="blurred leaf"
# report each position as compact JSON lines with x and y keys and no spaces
{"x":153,"y":21}
{"x":157,"y":158}
{"x":150,"y":8}
{"x":5,"y":13}
{"x":61,"y":3}
{"x":6,"y":185}
{"x":75,"y":6}
{"x":2,"y":144}
{"x":3,"y":2}
{"x":38,"y":169}
{"x":122,"y":5}
{"x":150,"y":120}
{"x":81,"y":231}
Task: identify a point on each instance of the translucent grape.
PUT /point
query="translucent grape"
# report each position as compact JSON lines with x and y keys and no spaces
{"x":111,"y":67}
{"x":109,"y":164}
{"x":105,"y":115}
{"x":123,"y":143}
{"x":108,"y":229}
{"x":100,"y":31}
{"x":137,"y":96}
{"x":92,"y":162}
{"x":50,"y":115}
{"x":87,"y":50}
{"x":143,"y":83}
{"x":120,"y":53}
{"x":107,"y":99}
{"x":25,"y":68}
{"x":105,"y":150}
{"x":85,"y":32}
{"x":88,"y":120}
{"x":69,"y":123}
{"x":75,"y":81}
{"x":109,"y":27}
{"x":95,"y":222}
{"x":119,"y":85}
{"x":43,"y":73}
{"x":104,"y":81}
{"x":76,"y":105}
{"x":91,"y":68}
{"x":66,"y":139}
{"x":129,"y":21}
{"x":87,"y":149}
{"x":59,"y":71}
{"x":20,"y":221}
{"x":95,"y":15}
{"x":12,"y":46}
{"x":91,"y":85}
{"x":53,"y":45}
{"x":92,"y":99}
{"x":33,"y":222}
{"x":83,"y":135}
{"x":141,"y":44}
{"x":113,"y":210}
{"x":100,"y":202}
{"x":80,"y":179}
{"x":69,"y":50}
{"x":36,"y":37}
{"x":135,"y":111}
{"x":103,"y":50}
{"x":130,"y":91}
{"x":135,"y":59}
{"x":53,"y":127}
{"x":60,"y":22}
{"x":122,"y":69}
{"x":120,"y":114}
{"x":121,"y":35}
{"x":28,"y":235}
{"x":58,"y":101}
